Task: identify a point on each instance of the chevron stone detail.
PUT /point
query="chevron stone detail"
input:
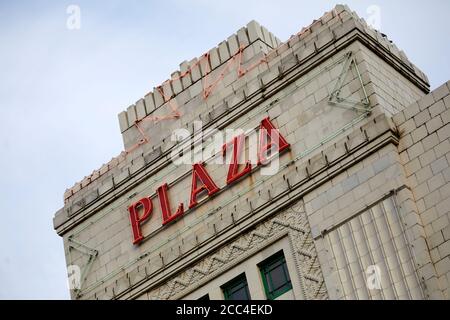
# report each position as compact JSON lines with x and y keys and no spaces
{"x":292,"y":221}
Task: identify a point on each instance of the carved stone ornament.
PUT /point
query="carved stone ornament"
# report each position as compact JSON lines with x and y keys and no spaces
{"x":291,"y":222}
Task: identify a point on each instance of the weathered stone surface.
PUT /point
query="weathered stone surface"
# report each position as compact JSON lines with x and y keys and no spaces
{"x":360,"y":185}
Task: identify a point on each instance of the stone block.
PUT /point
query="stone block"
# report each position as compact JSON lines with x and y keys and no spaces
{"x":415,"y":150}
{"x":422,"y":117}
{"x":440,"y":92}
{"x":141,"y":112}
{"x":185,"y":71}
{"x":167,"y":90}
{"x":324,"y":38}
{"x":177,"y":84}
{"x":426,"y":101}
{"x":436,"y":108}
{"x":444,"y":249}
{"x":233,"y":44}
{"x":149,"y":103}
{"x":430,"y":141}
{"x":444,"y":133}
{"x":436,"y":182}
{"x":419,"y":133}
{"x":405,"y":142}
{"x":443,"y":266}
{"x":106,"y":186}
{"x":131,"y":114}
{"x":447,"y":102}
{"x":196,"y":89}
{"x":91,"y":196}
{"x":214,"y":60}
{"x":350,"y":183}
{"x":407,"y":126}
{"x":158,"y":97}
{"x":195,"y":68}
{"x":412,"y":110}
{"x":204,"y":63}
{"x":254,"y":31}
{"x":446,"y":233}
{"x":123,"y":121}
{"x":439,"y":165}
{"x":118,"y":178}
{"x":152,"y":155}
{"x":343,"y":29}
{"x":138,"y":164}
{"x":242,"y":37}
{"x":382,"y":164}
{"x":223,"y":52}
{"x":267,"y":37}
{"x":427,"y":158}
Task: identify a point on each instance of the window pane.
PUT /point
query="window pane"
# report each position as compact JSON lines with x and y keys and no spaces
{"x":205,"y":297}
{"x":239,"y":294}
{"x":275,"y":275}
{"x":278,"y":277}
{"x":236,"y":289}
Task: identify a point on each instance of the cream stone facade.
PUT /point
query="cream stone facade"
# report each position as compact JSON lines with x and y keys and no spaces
{"x":359,"y":206}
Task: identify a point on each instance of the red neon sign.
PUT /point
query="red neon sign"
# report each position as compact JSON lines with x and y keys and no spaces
{"x":270,"y":141}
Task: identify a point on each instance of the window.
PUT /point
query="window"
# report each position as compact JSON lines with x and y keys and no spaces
{"x":236,"y":289}
{"x":275,"y":276}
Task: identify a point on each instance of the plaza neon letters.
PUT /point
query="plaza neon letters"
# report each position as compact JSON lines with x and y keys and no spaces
{"x":270,"y":141}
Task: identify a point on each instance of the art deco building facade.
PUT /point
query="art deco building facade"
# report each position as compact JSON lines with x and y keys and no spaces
{"x":359,"y":206}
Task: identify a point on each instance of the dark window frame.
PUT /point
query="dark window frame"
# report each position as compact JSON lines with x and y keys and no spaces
{"x":240,"y":280}
{"x":266,"y":267}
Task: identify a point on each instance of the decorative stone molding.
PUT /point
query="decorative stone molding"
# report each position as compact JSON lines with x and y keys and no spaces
{"x":291,"y":222}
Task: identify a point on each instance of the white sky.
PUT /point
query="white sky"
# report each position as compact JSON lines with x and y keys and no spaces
{"x":61,"y":91}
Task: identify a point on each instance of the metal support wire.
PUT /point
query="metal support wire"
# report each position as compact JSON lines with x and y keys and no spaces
{"x":84,"y":250}
{"x":336,"y":99}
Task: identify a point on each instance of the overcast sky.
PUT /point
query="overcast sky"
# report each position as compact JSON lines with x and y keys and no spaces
{"x":61,"y":91}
